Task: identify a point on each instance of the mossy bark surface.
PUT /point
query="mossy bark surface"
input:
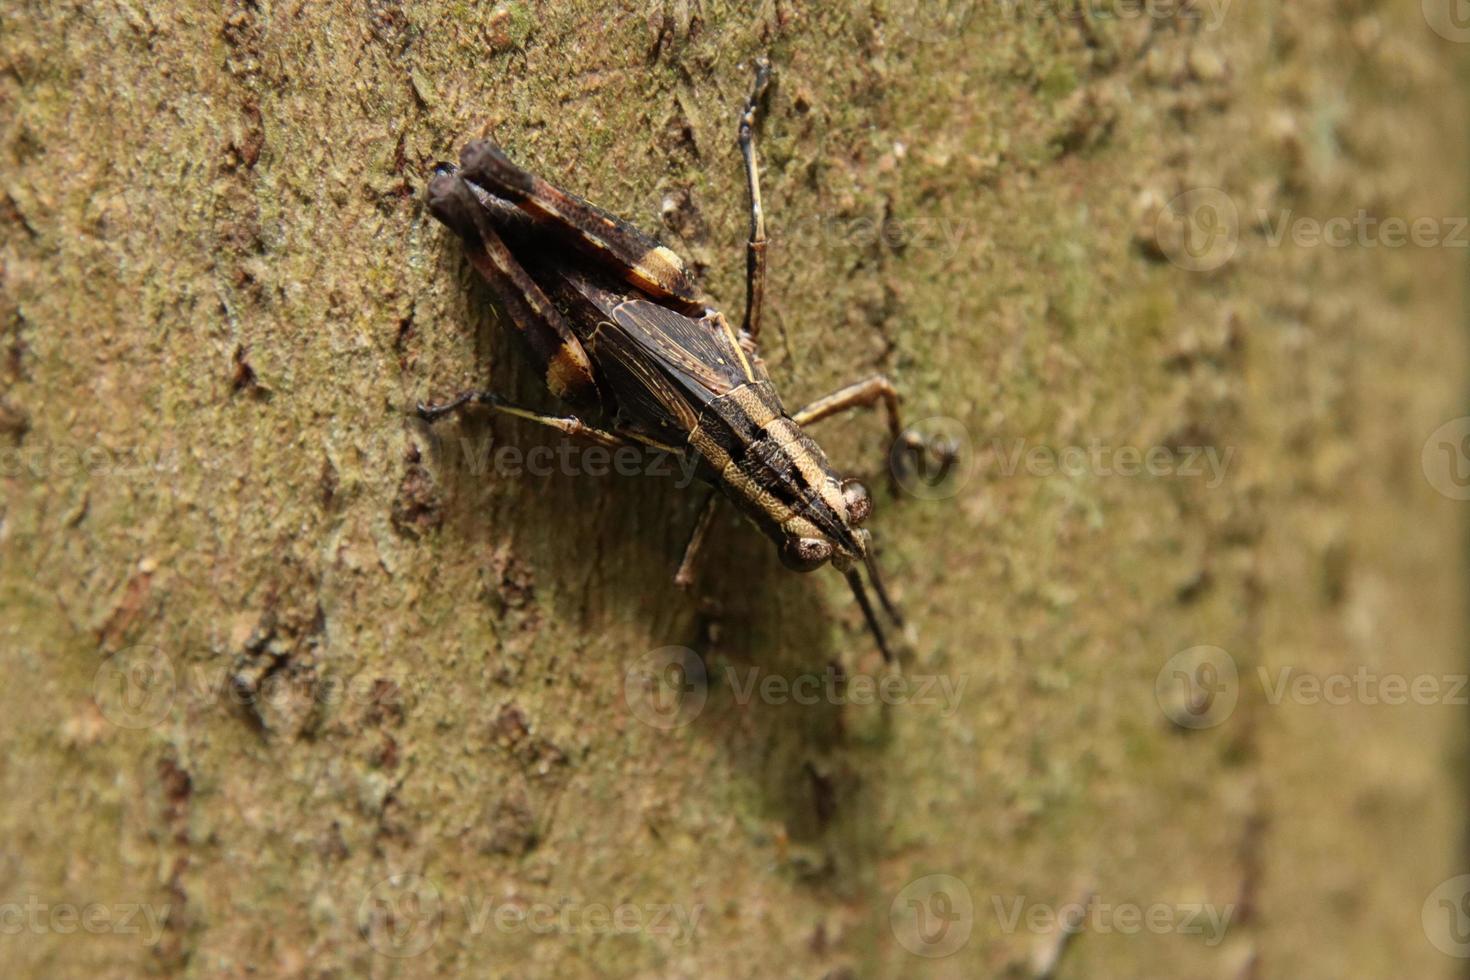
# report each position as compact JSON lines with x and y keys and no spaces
{"x":314,"y":690}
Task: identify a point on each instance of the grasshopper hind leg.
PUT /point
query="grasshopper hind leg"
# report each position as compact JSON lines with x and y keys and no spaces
{"x":569,"y":425}
{"x":555,"y":348}
{"x":636,"y":258}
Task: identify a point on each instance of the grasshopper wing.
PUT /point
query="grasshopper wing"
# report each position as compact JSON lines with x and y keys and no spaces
{"x":665,"y":367}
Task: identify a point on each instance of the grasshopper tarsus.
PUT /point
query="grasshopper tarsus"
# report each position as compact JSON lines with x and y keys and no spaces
{"x":434,"y":411}
{"x":758,"y":91}
{"x":930,"y":460}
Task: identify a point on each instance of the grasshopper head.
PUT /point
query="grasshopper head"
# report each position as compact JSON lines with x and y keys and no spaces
{"x":845,"y":545}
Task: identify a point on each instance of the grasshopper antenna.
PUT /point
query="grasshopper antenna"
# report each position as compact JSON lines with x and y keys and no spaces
{"x":878,"y":587}
{"x":861,"y":595}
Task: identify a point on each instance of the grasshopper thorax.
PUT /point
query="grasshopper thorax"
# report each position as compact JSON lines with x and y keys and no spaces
{"x":781,"y":479}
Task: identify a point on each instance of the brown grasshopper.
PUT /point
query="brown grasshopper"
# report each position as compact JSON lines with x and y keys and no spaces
{"x":616,"y":324}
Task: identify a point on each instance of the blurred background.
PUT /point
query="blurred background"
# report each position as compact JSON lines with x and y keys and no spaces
{"x":295,"y":685}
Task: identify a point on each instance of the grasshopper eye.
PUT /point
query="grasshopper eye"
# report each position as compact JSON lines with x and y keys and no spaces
{"x":859,"y":504}
{"x":805,"y":554}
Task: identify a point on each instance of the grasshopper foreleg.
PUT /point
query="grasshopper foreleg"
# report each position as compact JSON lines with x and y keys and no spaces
{"x":909,"y":447}
{"x":860,"y":394}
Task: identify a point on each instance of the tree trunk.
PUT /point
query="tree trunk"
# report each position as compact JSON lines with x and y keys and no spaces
{"x":296,"y":685}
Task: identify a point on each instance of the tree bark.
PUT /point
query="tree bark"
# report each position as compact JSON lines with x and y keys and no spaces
{"x":296,"y":685}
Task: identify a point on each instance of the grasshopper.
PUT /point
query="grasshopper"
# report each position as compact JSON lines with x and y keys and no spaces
{"x":616,"y":325}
